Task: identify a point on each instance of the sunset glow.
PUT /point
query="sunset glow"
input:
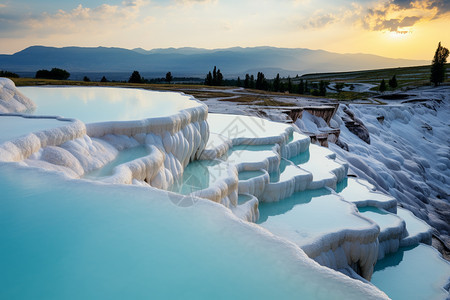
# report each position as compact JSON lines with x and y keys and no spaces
{"x":407,"y":29}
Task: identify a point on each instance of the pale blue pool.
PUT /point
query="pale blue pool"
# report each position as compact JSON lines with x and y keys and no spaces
{"x":15,"y":127}
{"x":243,"y":198}
{"x":285,"y":172}
{"x":308,"y":215}
{"x":413,"y":224}
{"x":71,"y":239}
{"x":356,"y":190}
{"x":248,"y":153}
{"x":412,"y":273}
{"x":383,"y":218}
{"x":100,"y":104}
{"x":300,"y":158}
{"x":124,"y":156}
{"x":318,"y":163}
{"x":246,"y":175}
{"x":199,"y":175}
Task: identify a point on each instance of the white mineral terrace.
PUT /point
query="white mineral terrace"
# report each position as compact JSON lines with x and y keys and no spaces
{"x":233,"y":193}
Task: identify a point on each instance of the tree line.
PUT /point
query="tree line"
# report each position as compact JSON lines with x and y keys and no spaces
{"x":8,"y":74}
{"x":278,"y":84}
{"x":54,"y":73}
{"x":283,"y":85}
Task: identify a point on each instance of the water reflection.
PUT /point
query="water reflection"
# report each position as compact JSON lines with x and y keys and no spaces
{"x":267,"y":210}
{"x":124,"y":156}
{"x":101,"y":104}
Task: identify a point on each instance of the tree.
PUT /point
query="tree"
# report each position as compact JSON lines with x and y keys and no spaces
{"x":59,"y":74}
{"x":382,"y":87}
{"x":322,"y":88}
{"x":86,"y":79}
{"x":219,"y":78}
{"x":215,"y":78}
{"x":277,"y":83}
{"x":8,"y":74}
{"x":252,"y":82}
{"x":238,"y":82}
{"x":289,"y":85}
{"x":393,"y":82}
{"x":261,"y":82}
{"x":45,"y":74}
{"x":135,"y":77}
{"x":339,"y":86}
{"x":209,"y":79}
{"x":247,"y":81}
{"x":301,"y":87}
{"x":169,"y":77}
{"x":438,"y":65}
{"x":55,"y":73}
{"x":104,"y":79}
{"x":259,"y":78}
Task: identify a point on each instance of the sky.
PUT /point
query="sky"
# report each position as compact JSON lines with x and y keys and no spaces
{"x":391,"y":28}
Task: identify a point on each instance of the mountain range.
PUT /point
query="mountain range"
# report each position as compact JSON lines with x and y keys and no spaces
{"x":194,"y":62}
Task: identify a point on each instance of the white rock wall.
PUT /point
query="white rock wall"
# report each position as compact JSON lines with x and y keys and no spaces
{"x":355,"y":248}
{"x":75,"y":149}
{"x":11,"y":100}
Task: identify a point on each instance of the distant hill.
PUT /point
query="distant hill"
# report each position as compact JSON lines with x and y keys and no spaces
{"x":195,"y":62}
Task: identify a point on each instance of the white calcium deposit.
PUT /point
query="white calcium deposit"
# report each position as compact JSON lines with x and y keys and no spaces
{"x":11,"y":99}
{"x":280,"y":162}
{"x":409,"y":153}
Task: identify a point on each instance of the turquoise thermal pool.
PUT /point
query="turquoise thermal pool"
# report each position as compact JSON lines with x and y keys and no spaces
{"x":286,"y":171}
{"x":199,"y":175}
{"x":356,"y":190}
{"x":245,"y":175}
{"x":413,"y":273}
{"x":101,"y":104}
{"x":297,"y":217}
{"x":234,"y":126}
{"x":413,"y":224}
{"x":248,"y":153}
{"x":382,"y":218}
{"x":243,"y":198}
{"x":319,"y":164}
{"x":18,"y":126}
{"x":124,"y":156}
{"x":70,"y":239}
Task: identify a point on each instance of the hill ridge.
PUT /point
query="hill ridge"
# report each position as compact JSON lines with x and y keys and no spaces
{"x":191,"y":61}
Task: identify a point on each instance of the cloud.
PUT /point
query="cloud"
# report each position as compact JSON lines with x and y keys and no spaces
{"x":191,"y":2}
{"x":394,"y":25}
{"x":321,"y":18}
{"x":442,"y":6}
{"x":400,"y":15}
{"x":130,"y":3}
{"x":319,"y":21}
{"x":79,"y":19}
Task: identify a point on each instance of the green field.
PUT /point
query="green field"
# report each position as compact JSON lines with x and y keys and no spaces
{"x":407,"y":76}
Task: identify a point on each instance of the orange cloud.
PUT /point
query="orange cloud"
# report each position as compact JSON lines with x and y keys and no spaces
{"x":400,"y":15}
